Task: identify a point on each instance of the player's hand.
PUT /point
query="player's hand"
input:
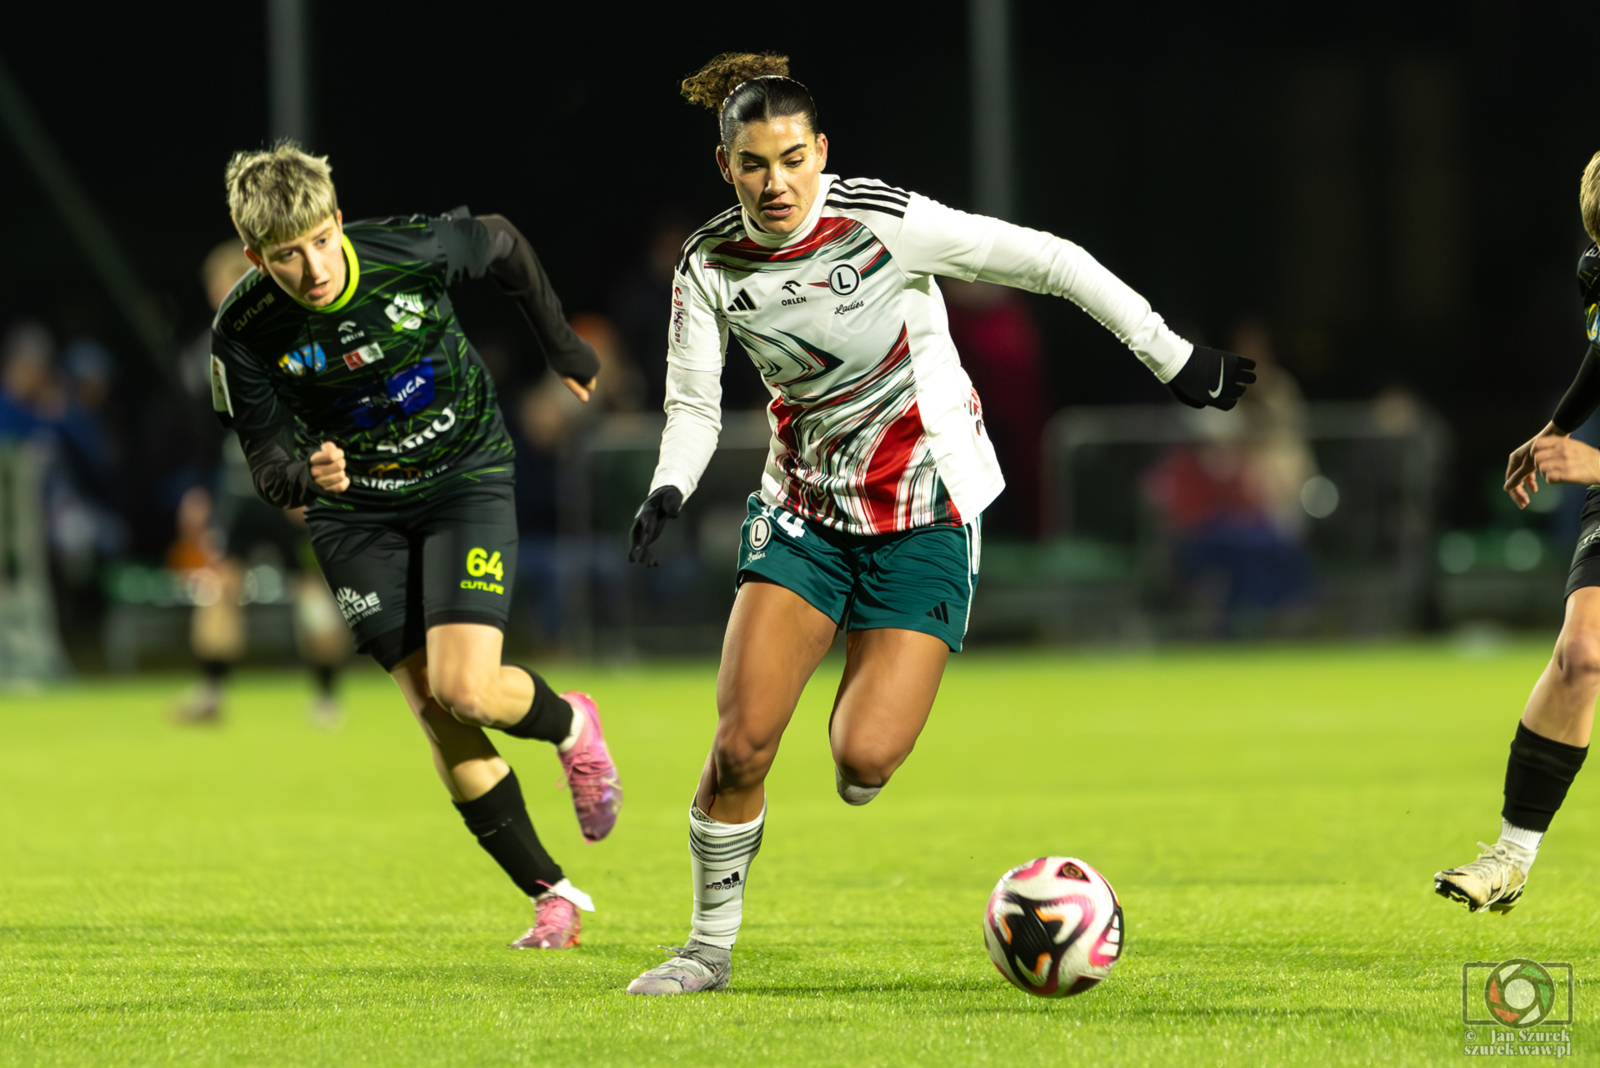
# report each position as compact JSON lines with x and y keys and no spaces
{"x":1521,"y":475}
{"x":1562,"y":459}
{"x":651,"y":520}
{"x":327,"y":468}
{"x":1212,"y":378}
{"x":582,"y":390}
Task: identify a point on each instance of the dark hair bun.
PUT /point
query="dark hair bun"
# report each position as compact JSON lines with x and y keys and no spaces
{"x":712,"y":83}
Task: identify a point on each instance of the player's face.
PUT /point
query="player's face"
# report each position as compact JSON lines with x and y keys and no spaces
{"x":775,"y":167}
{"x":310,"y":267}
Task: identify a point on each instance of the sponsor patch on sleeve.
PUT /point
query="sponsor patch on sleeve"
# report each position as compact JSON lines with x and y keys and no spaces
{"x":221,"y":399}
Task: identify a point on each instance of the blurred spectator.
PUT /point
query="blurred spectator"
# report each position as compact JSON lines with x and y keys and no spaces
{"x":546,"y":419}
{"x":641,"y":301}
{"x":639,"y":308}
{"x":620,"y":387}
{"x":82,"y":528}
{"x":90,"y":368}
{"x":180,"y":438}
{"x":259,"y":540}
{"x":1274,"y":415}
{"x":1230,"y":504}
{"x":1000,"y":348}
{"x":25,"y":381}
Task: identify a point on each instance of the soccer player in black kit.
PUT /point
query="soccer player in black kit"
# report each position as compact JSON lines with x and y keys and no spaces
{"x":341,"y":365}
{"x":1552,"y":738}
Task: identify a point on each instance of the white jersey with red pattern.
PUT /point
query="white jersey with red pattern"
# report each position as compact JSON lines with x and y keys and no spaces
{"x":875,"y":425}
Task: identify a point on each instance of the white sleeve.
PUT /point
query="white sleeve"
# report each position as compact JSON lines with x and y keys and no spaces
{"x":696,"y":340}
{"x":934,"y":239}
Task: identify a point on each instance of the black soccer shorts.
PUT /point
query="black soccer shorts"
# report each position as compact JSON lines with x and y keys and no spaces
{"x":398,"y":571}
{"x":1586,"y":558}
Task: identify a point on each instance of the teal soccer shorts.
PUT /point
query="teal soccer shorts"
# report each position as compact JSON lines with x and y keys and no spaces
{"x":920,"y":579}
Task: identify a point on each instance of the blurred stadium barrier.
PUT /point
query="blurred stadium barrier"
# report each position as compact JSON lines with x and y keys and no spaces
{"x":30,"y":646}
{"x":1111,"y":565}
{"x":614,"y":609}
{"x":1105,"y":569}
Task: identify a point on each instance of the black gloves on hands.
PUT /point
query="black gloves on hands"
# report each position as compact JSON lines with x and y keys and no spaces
{"x":1213,"y":378}
{"x":650,"y":520}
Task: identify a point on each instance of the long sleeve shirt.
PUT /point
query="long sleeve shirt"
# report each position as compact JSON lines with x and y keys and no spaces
{"x":875,"y":425}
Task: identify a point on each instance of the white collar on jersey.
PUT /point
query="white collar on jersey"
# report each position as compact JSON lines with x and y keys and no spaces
{"x":767,"y":240}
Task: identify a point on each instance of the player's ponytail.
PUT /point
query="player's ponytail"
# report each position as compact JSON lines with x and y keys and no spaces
{"x":746,"y":87}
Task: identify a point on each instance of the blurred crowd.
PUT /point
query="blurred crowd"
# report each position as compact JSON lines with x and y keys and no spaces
{"x":149,"y":474}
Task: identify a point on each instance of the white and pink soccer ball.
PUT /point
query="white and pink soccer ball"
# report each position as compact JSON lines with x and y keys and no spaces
{"x":1053,"y":926}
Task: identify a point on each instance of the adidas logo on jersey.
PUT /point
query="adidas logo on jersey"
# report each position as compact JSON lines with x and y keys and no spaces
{"x":730,"y":883}
{"x":742,"y":302}
{"x":939,"y":612}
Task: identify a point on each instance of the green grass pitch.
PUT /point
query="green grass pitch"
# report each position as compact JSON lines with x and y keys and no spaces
{"x":265,"y":894}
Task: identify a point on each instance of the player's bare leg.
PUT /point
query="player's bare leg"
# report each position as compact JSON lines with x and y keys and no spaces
{"x":1552,"y":740}
{"x":891,"y":677}
{"x":775,"y":640}
{"x":466,"y":760}
{"x":487,"y":795}
{"x":468,"y":680}
{"x":1561,"y":706}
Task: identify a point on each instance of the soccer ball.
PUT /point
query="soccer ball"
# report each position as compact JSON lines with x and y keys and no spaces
{"x":1053,"y":926}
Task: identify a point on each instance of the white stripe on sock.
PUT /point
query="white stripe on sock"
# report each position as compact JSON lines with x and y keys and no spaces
{"x":720,"y":856}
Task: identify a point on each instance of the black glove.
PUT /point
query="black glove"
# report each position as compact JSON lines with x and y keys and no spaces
{"x":650,"y":520}
{"x":1213,"y":378}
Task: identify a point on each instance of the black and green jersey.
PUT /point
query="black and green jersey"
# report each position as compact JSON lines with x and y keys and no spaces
{"x":385,"y":371}
{"x":1589,"y":291}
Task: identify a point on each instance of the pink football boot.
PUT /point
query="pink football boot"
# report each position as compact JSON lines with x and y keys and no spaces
{"x":555,"y":925}
{"x":591,"y":775}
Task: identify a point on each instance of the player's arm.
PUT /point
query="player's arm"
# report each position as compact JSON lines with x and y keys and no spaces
{"x":509,"y":259}
{"x":1552,"y":452}
{"x":696,"y":341}
{"x":244,"y":400}
{"x":936,"y":239}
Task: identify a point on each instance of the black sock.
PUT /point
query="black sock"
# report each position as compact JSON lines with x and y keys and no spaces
{"x":325,"y":676}
{"x":1537,"y":777}
{"x":500,"y":821}
{"x":549,"y":718}
{"x":214,"y":670}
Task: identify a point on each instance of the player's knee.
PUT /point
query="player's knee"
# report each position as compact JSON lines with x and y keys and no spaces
{"x":464,"y":698}
{"x":866,"y":766}
{"x":741,"y":760}
{"x":1578,"y":659}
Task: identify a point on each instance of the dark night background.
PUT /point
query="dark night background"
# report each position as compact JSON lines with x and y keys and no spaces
{"x":1394,"y":192}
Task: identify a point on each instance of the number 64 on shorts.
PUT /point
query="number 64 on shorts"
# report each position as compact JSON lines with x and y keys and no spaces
{"x":479,"y":564}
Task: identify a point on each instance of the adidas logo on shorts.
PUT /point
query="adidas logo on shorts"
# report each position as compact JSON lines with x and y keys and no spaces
{"x":730,"y":883}
{"x":939,"y":612}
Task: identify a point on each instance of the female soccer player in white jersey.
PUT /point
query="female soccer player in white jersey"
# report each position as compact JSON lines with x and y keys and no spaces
{"x":879,"y":467}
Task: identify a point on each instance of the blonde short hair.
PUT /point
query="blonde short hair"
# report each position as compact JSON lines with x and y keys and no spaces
{"x":278,"y":194}
{"x":1589,"y":197}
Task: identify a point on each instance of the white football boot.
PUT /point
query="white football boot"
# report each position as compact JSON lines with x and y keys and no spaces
{"x":692,"y":969}
{"x":1494,"y":881}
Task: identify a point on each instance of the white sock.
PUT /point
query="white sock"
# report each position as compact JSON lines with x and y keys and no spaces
{"x":571,"y":893}
{"x":720,"y":855}
{"x":853,"y":795}
{"x":575,"y":733}
{"x":1521,"y":843}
